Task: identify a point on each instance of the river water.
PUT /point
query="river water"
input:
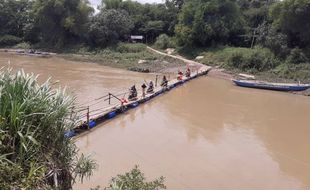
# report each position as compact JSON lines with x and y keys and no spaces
{"x":206,"y":134}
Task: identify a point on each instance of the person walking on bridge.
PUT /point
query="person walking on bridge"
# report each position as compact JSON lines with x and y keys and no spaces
{"x":143,"y":89}
{"x":180,"y":75}
{"x":188,"y":73}
{"x":164,"y":82}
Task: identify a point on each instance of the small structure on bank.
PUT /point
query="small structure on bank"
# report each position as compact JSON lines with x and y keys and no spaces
{"x":136,"y":38}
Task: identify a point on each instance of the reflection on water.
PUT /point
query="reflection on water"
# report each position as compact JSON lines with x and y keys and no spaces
{"x":207,"y":134}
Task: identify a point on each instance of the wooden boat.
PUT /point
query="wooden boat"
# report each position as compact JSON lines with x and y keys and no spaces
{"x":271,"y":86}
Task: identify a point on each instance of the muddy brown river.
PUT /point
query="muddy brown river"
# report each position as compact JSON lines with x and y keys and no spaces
{"x":206,"y":134}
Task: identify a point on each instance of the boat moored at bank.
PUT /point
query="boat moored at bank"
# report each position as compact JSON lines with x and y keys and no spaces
{"x":271,"y":86}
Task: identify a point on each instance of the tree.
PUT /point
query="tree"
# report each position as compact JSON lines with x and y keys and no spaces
{"x":176,"y":3}
{"x":135,"y":180}
{"x":110,"y":4}
{"x":291,"y":17}
{"x":61,"y":22}
{"x":163,"y":42}
{"x":35,"y":154}
{"x":149,"y":19}
{"x":255,"y":12}
{"x":109,"y":26}
{"x":270,"y":38}
{"x":153,"y":29}
{"x":203,"y":22}
{"x":14,"y":15}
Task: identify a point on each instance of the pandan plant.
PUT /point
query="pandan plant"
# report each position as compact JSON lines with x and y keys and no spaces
{"x":34,"y":153}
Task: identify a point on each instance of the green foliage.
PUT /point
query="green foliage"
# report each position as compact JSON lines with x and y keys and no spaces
{"x":130,"y":48}
{"x":60,"y":22}
{"x":299,"y":72}
{"x":9,"y":40}
{"x":245,"y":59}
{"x":270,"y":38}
{"x":121,"y":55}
{"x":254,"y":60}
{"x":34,"y":151}
{"x":176,"y":4}
{"x":154,"y":28}
{"x":205,"y":23}
{"x":111,"y":4}
{"x":255,"y":12}
{"x":14,"y":16}
{"x":109,"y":27}
{"x":163,"y":41}
{"x":291,"y":17}
{"x":296,"y":56}
{"x":22,"y":45}
{"x":135,"y":180}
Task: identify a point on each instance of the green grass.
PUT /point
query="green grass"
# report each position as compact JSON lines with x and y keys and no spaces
{"x":122,"y":55}
{"x":258,"y":61}
{"x":120,"y":52}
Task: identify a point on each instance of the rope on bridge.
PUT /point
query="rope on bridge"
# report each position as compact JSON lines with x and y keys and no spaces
{"x":88,"y":110}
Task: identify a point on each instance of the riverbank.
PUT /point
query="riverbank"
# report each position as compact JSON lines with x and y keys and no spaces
{"x":133,"y":57}
{"x":228,"y":62}
{"x":140,"y":58}
{"x":257,"y":61}
{"x":220,"y":59}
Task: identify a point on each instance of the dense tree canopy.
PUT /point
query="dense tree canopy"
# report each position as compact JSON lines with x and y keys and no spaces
{"x":59,"y":22}
{"x":149,"y":20}
{"x":109,"y":26}
{"x":14,"y":15}
{"x":278,"y":25}
{"x":203,"y":22}
{"x":292,"y":17}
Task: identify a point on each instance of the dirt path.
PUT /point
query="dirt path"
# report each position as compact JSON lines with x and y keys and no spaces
{"x":187,"y":61}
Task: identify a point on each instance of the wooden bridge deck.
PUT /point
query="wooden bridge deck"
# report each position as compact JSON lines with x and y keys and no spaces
{"x":112,"y":111}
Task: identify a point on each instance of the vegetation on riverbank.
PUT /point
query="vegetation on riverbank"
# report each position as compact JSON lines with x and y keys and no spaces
{"x":269,"y":37}
{"x":134,"y":180}
{"x":259,"y":61}
{"x":35,"y":154}
{"x":134,"y":57}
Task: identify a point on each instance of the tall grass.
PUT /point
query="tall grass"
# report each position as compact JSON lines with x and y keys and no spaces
{"x":34,"y":152}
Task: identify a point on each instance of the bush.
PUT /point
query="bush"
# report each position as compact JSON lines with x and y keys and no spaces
{"x":163,"y":42}
{"x":22,"y":45}
{"x":9,"y":40}
{"x":35,"y":154}
{"x":270,"y":38}
{"x":296,"y":56}
{"x":257,"y":59}
{"x":135,"y":180}
{"x":299,"y":72}
{"x":130,"y":48}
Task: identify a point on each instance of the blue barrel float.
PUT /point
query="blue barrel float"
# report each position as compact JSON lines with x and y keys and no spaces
{"x":69,"y":134}
{"x":111,"y":114}
{"x":133,"y":105}
{"x":92,"y":124}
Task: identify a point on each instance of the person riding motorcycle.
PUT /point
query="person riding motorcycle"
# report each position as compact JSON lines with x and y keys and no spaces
{"x":133,"y":93}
